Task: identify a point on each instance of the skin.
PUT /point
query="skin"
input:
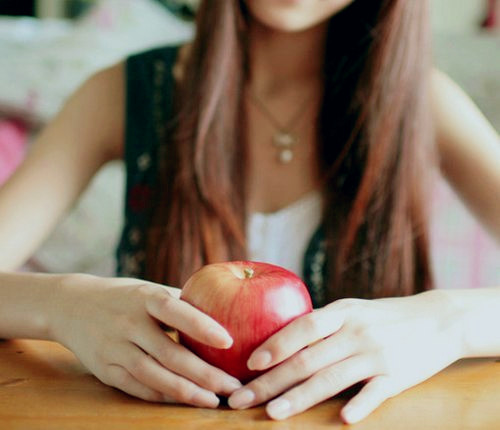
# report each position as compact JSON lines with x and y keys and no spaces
{"x":357,"y":340}
{"x":281,"y":36}
{"x":116,"y":335}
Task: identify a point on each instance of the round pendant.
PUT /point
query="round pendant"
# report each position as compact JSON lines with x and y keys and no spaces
{"x":284,"y":140}
{"x":285,"y":156}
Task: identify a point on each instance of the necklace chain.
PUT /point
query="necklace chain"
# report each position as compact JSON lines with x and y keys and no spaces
{"x":283,"y":139}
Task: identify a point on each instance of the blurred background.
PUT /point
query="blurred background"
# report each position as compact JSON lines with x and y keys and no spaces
{"x":48,"y":47}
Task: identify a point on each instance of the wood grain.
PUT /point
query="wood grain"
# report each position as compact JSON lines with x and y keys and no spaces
{"x":43,"y":386}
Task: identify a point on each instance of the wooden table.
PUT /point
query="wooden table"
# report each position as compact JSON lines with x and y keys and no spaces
{"x":43,"y":386}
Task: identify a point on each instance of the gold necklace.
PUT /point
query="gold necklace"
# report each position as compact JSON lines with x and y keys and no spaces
{"x":284,"y":140}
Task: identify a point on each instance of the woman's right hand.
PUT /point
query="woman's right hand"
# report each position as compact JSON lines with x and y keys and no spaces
{"x":113,"y":327}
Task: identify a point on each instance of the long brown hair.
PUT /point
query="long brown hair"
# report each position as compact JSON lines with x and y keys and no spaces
{"x":373,"y":141}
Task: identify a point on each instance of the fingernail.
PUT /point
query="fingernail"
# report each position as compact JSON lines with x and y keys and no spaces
{"x":350,"y":414}
{"x":241,"y":399}
{"x":205,"y":399}
{"x":279,"y":409}
{"x":220,"y":338}
{"x":260,"y":360}
{"x":232,"y":385}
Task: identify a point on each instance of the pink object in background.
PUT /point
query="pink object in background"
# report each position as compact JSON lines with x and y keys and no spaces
{"x":491,"y":20}
{"x":13,"y":140}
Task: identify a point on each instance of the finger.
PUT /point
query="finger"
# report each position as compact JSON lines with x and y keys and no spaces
{"x":371,"y":396}
{"x":321,"y":386}
{"x":150,"y":373}
{"x":296,"y":369}
{"x":181,"y":361}
{"x":186,"y":318}
{"x":297,"y":335}
{"x":118,"y":377}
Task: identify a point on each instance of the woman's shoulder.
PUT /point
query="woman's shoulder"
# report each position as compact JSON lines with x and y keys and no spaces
{"x":106,"y":97}
{"x":99,"y":104}
{"x":468,"y":149}
{"x":460,"y":126}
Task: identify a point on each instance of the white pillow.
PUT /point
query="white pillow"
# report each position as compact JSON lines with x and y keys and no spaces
{"x":43,"y":61}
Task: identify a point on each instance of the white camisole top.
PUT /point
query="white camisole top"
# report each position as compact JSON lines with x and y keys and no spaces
{"x":282,"y":237}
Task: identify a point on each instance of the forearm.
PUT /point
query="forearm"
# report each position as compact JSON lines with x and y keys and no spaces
{"x":25,"y":304}
{"x":477,"y":313}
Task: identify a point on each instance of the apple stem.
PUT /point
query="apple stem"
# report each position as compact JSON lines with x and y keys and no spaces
{"x":248,"y":272}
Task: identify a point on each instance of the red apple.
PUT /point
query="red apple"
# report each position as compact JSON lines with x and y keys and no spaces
{"x":251,"y":301}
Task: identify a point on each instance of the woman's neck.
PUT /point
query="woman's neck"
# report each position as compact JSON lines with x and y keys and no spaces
{"x":280,"y":60}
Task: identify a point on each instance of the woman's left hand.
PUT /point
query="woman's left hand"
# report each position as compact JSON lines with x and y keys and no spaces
{"x":391,"y":344}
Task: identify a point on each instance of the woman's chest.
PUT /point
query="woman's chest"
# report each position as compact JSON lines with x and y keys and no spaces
{"x":282,"y":160}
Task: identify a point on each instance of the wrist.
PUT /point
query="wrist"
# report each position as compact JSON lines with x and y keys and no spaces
{"x":478,"y":319}
{"x":451,"y":317}
{"x":474,"y":316}
{"x":62,"y":305}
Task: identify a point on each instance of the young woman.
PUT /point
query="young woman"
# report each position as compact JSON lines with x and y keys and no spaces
{"x":293,"y":131}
